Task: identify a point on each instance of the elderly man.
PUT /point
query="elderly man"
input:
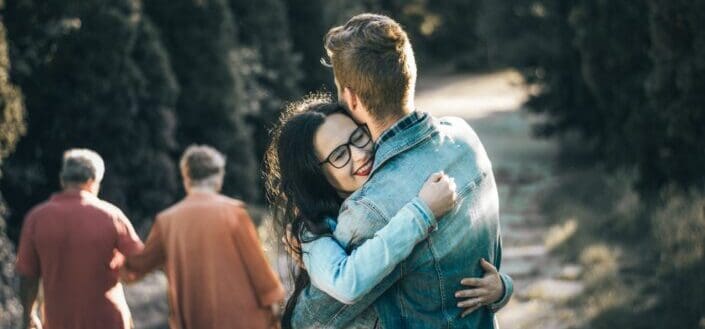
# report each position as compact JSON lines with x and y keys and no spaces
{"x":73,"y":242}
{"x":217,"y":272}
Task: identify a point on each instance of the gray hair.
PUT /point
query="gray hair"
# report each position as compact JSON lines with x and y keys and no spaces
{"x":203,"y":165}
{"x":81,"y":165}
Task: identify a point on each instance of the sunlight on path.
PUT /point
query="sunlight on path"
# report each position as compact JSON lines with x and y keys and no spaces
{"x":470,"y":96}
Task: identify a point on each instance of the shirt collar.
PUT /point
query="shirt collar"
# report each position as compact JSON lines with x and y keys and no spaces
{"x":72,"y":194}
{"x":407,"y":121}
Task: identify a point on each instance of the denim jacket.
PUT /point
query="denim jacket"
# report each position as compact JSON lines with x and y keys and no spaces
{"x":419,"y":291}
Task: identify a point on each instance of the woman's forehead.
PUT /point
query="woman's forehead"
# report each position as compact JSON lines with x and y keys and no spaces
{"x":335,"y":130}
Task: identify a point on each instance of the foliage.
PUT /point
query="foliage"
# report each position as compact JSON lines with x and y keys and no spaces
{"x":211,"y":108}
{"x":267,"y":61}
{"x":116,"y":97}
{"x":12,"y":127}
{"x":626,"y":76}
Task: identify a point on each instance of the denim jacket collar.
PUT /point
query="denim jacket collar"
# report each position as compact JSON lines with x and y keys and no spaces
{"x":407,"y":132}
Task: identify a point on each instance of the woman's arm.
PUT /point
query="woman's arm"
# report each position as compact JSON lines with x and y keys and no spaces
{"x":349,"y":277}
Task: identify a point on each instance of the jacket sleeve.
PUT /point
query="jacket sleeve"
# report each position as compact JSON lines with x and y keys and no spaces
{"x":263,"y":279}
{"x":314,"y":307}
{"x":27,"y":256}
{"x":151,"y":256}
{"x":348,"y":278}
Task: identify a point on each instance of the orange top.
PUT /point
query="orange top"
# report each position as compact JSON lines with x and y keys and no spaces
{"x":218,"y":274}
{"x":73,"y":242}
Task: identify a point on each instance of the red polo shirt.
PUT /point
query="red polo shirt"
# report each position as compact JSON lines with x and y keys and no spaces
{"x":73,"y":242}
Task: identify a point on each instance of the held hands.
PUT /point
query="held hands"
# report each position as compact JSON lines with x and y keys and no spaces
{"x":486,"y":290}
{"x":439,"y":194}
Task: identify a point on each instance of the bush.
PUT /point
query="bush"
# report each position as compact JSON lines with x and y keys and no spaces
{"x":12,"y":127}
{"x":629,"y":77}
{"x":268,"y":63}
{"x":211,"y":109}
{"x":679,"y":231}
{"x":673,"y":129}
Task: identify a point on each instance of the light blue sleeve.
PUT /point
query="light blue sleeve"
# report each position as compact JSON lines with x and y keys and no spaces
{"x":348,"y":278}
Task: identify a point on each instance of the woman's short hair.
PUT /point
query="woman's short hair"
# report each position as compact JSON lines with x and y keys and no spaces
{"x":81,"y":165}
{"x":203,"y":165}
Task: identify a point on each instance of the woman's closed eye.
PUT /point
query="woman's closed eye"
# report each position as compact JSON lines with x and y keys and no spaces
{"x":338,"y":154}
{"x":358,"y":136}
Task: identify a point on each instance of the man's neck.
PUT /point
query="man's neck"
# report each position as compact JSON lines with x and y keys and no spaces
{"x":378,"y":128}
{"x":77,"y":189}
{"x":201,"y":190}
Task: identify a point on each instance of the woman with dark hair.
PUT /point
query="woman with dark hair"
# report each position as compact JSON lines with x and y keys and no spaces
{"x":318,"y":157}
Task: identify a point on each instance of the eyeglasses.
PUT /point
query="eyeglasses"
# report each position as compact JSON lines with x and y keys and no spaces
{"x":340,"y":156}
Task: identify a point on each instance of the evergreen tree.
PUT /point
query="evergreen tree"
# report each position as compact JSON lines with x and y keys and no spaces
{"x":94,"y":75}
{"x":674,"y":152}
{"x":267,"y":61}
{"x":211,"y":108}
{"x":309,"y":24}
{"x":12,"y":127}
{"x":612,"y":38}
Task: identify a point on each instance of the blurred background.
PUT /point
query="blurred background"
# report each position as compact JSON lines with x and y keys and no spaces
{"x":592,"y":112}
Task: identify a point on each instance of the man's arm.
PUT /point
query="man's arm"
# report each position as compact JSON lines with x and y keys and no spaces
{"x":150,"y":257}
{"x":128,"y":242}
{"x":29,"y":286}
{"x":29,"y":269}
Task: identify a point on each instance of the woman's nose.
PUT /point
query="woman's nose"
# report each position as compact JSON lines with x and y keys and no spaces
{"x":359,"y":154}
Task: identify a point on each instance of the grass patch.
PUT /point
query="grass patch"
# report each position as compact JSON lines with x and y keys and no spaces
{"x":643,"y":261}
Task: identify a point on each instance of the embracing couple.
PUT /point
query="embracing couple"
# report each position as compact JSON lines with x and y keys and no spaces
{"x":393,"y":214}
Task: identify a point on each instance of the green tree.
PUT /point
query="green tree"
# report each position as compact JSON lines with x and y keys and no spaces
{"x":12,"y":127}
{"x":309,"y":24}
{"x":94,"y":75}
{"x":674,"y":127}
{"x":211,"y":108}
{"x":267,"y":61}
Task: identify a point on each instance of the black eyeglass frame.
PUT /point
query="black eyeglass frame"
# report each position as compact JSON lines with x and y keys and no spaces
{"x":365,"y":130}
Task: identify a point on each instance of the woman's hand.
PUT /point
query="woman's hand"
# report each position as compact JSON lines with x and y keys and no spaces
{"x":486,"y":290}
{"x":439,"y":194}
{"x":292,"y":247}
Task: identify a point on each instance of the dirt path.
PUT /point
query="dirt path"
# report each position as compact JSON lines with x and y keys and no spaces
{"x":522,"y":165}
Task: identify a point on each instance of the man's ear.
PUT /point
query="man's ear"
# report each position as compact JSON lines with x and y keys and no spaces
{"x":351,"y":99}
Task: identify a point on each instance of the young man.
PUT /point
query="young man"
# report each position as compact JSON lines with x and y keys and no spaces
{"x":218,"y":274}
{"x":72,"y":242}
{"x":375,"y":74}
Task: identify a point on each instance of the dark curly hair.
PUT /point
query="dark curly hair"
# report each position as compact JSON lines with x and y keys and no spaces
{"x":297,"y":189}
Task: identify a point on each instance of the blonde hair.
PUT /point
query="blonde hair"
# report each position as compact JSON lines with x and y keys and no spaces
{"x":371,"y":54}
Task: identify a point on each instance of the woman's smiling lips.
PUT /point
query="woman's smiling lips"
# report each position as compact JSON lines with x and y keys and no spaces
{"x":365,"y":169}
